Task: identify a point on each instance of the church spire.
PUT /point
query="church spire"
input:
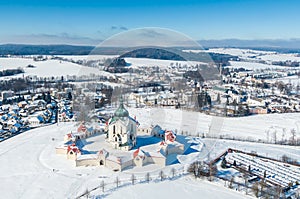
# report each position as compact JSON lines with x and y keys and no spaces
{"x":121,"y":111}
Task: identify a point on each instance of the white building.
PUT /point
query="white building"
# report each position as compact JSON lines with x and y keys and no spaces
{"x":122,"y":129}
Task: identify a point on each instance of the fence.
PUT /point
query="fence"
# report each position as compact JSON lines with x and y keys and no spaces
{"x":108,"y":186}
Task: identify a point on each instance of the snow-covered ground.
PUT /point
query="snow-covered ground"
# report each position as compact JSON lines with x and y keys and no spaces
{"x":276,"y":172}
{"x":294,"y":80}
{"x":47,"y":68}
{"x":253,"y":127}
{"x":182,"y":188}
{"x":242,"y":53}
{"x":138,"y":62}
{"x":250,"y":54}
{"x":87,"y":57}
{"x":280,"y":57}
{"x":31,"y":169}
{"x":254,"y":65}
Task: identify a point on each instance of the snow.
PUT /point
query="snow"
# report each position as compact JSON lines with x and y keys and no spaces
{"x":254,"y":65}
{"x":30,"y":168}
{"x":280,"y":57}
{"x":249,"y":54}
{"x":47,"y":68}
{"x":197,"y":143}
{"x":275,"y":171}
{"x":252,"y":127}
{"x":242,"y":53}
{"x":87,"y":57}
{"x":138,"y":62}
{"x":182,"y":188}
{"x":188,"y":159}
{"x":294,"y":80}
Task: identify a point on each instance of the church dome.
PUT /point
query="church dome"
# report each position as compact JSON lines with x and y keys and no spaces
{"x":121,"y":111}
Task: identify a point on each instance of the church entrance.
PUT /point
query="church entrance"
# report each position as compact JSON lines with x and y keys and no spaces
{"x":101,"y":162}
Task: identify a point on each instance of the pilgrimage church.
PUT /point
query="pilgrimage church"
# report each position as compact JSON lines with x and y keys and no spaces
{"x":116,"y":147}
{"x":122,"y":129}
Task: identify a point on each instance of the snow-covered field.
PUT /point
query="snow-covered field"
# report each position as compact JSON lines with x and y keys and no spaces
{"x":57,"y":68}
{"x":254,"y":65}
{"x":250,"y":54}
{"x":31,"y":169}
{"x":294,"y":80}
{"x":87,"y":57}
{"x":280,"y":57}
{"x":138,"y":62}
{"x":47,"y":68}
{"x":253,"y":127}
{"x":182,"y":188}
{"x":242,"y":53}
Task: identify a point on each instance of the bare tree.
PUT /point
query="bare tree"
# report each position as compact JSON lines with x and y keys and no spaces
{"x":262,"y":185}
{"x":86,"y":193}
{"x":173,"y":172}
{"x":147,"y":177}
{"x":133,"y":179}
{"x":255,"y":189}
{"x":275,"y":136}
{"x":117,"y":181}
{"x":293,"y":133}
{"x":102,"y":185}
{"x":283,"y":135}
{"x":285,"y":158}
{"x":231,"y":183}
{"x":212,"y":171}
{"x":161,"y":175}
{"x":246,"y":182}
{"x":278,"y":191}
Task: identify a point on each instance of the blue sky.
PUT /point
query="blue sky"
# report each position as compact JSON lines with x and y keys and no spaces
{"x":88,"y":22}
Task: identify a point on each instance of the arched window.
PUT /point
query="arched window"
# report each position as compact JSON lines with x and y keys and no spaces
{"x":114,"y":129}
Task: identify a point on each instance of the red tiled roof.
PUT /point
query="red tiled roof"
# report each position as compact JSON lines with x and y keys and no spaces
{"x":81,"y":128}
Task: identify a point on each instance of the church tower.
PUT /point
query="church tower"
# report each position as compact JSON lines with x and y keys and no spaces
{"x":122,"y":129}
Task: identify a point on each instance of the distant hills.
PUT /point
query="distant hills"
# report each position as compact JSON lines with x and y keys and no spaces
{"x":178,"y":55}
{"x":154,"y":53}
{"x":291,"y":45}
{"x":19,"y":49}
{"x":286,"y":46}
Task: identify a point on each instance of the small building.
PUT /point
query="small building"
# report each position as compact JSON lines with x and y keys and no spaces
{"x":259,"y":110}
{"x":7,"y":94}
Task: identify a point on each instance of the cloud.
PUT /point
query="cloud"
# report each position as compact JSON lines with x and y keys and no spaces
{"x":149,"y":36}
{"x":118,"y":28}
{"x":151,"y":33}
{"x":114,"y":28}
{"x":123,"y":28}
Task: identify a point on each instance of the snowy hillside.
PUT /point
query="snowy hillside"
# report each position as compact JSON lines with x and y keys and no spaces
{"x":252,"y":127}
{"x":135,"y":62}
{"x":182,"y":188}
{"x":47,"y":68}
{"x":253,"y":65}
{"x":30,"y":166}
